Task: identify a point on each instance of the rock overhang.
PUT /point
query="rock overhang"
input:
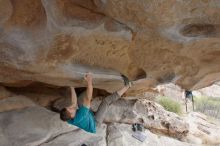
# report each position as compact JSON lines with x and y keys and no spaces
{"x":161,"y":41}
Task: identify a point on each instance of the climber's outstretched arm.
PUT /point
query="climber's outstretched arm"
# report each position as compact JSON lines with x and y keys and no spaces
{"x":89,"y":91}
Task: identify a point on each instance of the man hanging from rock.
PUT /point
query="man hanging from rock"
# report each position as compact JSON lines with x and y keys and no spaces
{"x":83,"y":117}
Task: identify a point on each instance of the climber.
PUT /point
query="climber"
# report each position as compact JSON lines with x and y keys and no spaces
{"x":83,"y":117}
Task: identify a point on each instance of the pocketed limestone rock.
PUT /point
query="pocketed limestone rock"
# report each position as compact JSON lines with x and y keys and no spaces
{"x":156,"y":118}
{"x":150,"y":114}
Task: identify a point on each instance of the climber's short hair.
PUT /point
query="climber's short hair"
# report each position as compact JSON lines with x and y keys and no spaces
{"x":65,"y":115}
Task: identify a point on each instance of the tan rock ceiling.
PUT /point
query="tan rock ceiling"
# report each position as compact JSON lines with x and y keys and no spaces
{"x":57,"y":41}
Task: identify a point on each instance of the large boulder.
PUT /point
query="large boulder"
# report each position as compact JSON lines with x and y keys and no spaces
{"x":58,"y":41}
{"x":121,"y":134}
{"x":156,"y":118}
{"x":171,"y":90}
{"x":203,"y":129}
{"x":152,"y":115}
{"x":79,"y":137}
{"x":210,"y":91}
{"x":30,"y":126}
{"x":15,"y":102}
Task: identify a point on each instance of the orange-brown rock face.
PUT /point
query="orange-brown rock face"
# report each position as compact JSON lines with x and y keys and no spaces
{"x":58,"y":41}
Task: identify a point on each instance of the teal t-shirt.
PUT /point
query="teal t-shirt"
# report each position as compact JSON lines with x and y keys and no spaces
{"x":84,"y":119}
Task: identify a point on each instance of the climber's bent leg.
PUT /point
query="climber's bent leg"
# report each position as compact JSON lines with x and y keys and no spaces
{"x":104,"y":106}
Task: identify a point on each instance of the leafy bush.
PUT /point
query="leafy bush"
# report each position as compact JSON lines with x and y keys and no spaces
{"x":208,"y":105}
{"x":170,"y":104}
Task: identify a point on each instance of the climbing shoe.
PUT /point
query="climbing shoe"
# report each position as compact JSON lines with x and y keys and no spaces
{"x":126,"y":81}
{"x":137,"y":127}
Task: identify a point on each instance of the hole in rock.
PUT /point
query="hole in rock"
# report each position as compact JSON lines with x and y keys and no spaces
{"x":165,"y":124}
{"x":141,"y":120}
{"x":196,"y":30}
{"x":151,"y":117}
{"x":140,"y":74}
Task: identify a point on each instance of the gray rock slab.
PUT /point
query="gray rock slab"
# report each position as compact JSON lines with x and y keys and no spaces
{"x":15,"y":102}
{"x":30,"y":126}
{"x":79,"y":137}
{"x":121,"y":135}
